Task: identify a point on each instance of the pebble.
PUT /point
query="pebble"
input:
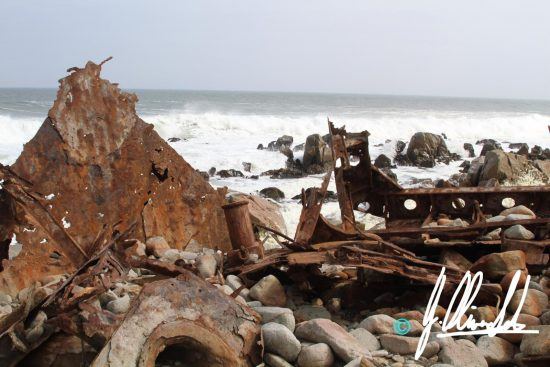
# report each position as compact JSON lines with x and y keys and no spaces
{"x":170,"y":255}
{"x":496,"y":350}
{"x":342,"y":343}
{"x":234,"y":282}
{"x":206,"y":265}
{"x":156,"y":246}
{"x":279,"y":339}
{"x":536,"y":344}
{"x":309,"y":312}
{"x":269,"y":291}
{"x":519,"y":232}
{"x":399,"y":344}
{"x":119,"y":305}
{"x":378,"y":324}
{"x":368,"y":340}
{"x":535,"y":302}
{"x":138,"y":249}
{"x":520,"y":209}
{"x":316,"y":355}
{"x":280,"y":315}
{"x":462,"y":353}
{"x":274,"y":360}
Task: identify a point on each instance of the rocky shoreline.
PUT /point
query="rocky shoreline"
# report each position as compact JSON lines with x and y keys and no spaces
{"x":116,"y":252}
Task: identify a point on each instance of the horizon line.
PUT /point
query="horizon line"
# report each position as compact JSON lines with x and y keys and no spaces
{"x":308,"y":92}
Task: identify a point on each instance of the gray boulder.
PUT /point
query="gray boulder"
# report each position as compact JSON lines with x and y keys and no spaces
{"x":368,"y":340}
{"x":519,"y":232}
{"x":273,"y":360}
{"x":310,"y":312}
{"x":272,"y":193}
{"x":269,"y":291}
{"x":279,"y":339}
{"x":316,"y":153}
{"x":119,"y":305}
{"x":470,"y":149}
{"x":425,"y":149}
{"x":279,"y":315}
{"x":382,"y":161}
{"x":316,"y":355}
{"x":496,"y":351}
{"x":490,"y":146}
{"x":503,"y":166}
{"x":206,"y":265}
{"x":462,"y":353}
{"x":378,"y":324}
{"x":536,"y":344}
{"x":325,"y":331}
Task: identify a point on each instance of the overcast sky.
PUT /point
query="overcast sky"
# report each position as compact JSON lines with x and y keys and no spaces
{"x":478,"y":48}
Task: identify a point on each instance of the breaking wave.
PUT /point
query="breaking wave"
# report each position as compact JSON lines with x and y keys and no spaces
{"x":15,"y":132}
{"x":231,"y":137}
{"x":467,"y":127}
{"x":225,"y":140}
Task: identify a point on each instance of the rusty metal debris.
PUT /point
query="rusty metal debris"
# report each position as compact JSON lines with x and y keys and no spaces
{"x":94,"y":175}
{"x":395,"y":250}
{"x":127,"y":249}
{"x":92,"y":164}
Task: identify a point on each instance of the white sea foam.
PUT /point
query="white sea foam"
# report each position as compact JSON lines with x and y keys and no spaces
{"x":225,"y":140}
{"x":215,"y":139}
{"x":15,"y":132}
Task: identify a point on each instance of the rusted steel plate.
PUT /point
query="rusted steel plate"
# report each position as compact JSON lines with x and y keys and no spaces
{"x":311,"y":210}
{"x":94,"y":163}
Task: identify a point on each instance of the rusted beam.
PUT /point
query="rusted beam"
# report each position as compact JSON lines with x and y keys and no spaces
{"x":240,"y":228}
{"x":311,"y":210}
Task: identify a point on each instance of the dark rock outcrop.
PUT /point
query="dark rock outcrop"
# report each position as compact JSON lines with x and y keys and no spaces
{"x":285,"y":140}
{"x":489,"y":146}
{"x":470,"y":149}
{"x":382,"y":161}
{"x":247,"y":166}
{"x":272,"y":193}
{"x":316,"y":152}
{"x":283,"y":173}
{"x":425,"y":149}
{"x":225,"y":173}
{"x":503,"y":166}
{"x":400,"y":146}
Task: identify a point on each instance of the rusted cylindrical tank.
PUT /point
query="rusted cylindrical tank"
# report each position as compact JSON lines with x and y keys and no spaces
{"x":240,"y":228}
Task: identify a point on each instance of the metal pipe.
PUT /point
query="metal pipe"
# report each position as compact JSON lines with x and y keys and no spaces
{"x":240,"y":228}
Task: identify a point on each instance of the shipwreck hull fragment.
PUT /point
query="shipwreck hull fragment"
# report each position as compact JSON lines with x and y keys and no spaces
{"x":95,"y":165}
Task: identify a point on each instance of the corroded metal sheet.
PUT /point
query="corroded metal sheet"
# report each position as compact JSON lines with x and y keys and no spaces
{"x":94,"y":164}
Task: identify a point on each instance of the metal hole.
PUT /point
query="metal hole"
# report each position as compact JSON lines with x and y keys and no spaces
{"x":410,"y":204}
{"x":459,"y":204}
{"x":508,"y":203}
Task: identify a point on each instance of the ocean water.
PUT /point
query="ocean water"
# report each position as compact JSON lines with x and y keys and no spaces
{"x":222,"y":129}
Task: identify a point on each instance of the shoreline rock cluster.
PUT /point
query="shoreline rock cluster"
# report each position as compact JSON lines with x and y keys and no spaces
{"x":129,"y":257}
